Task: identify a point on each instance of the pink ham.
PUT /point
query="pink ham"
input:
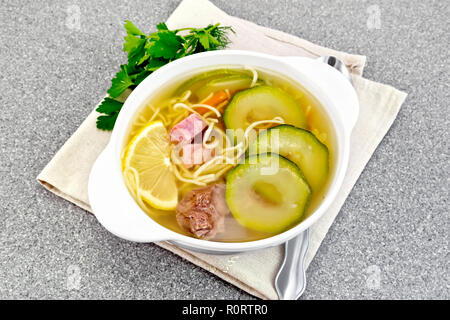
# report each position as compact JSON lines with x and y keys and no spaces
{"x":195,"y":154}
{"x":184,"y":131}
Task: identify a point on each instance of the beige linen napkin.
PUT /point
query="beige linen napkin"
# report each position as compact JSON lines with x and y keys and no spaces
{"x":67,"y":173}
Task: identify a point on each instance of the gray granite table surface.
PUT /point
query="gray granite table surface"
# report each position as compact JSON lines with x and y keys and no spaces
{"x":391,"y":237}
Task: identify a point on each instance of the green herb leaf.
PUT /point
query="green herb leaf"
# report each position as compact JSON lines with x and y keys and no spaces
{"x":155,"y":63}
{"x":107,"y":122}
{"x":137,"y":54}
{"x":109,"y":106}
{"x":162,"y":26}
{"x":139,"y":77}
{"x":144,"y":58}
{"x":166,"y":46}
{"x":132,"y":29}
{"x":220,"y":34}
{"x":213,"y":40}
{"x":132,"y":42}
{"x":120,"y":83}
{"x":203,"y":37}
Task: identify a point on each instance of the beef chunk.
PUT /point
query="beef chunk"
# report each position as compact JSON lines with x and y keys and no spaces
{"x":202,"y":211}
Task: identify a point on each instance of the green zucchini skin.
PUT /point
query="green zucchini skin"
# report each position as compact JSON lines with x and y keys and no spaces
{"x":197,"y":81}
{"x":267,"y":202}
{"x":262,"y":103}
{"x":301,"y":147}
{"x":233,"y":83}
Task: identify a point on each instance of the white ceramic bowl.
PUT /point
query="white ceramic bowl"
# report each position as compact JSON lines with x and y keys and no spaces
{"x":117,"y":211}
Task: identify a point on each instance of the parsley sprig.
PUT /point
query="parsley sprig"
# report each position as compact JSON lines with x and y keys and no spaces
{"x":147,"y":53}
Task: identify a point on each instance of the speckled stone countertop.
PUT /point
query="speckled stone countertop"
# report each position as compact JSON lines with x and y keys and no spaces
{"x":390,"y":239}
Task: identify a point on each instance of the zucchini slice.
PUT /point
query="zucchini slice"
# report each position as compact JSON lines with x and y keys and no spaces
{"x":298,"y":145}
{"x":267,"y":193}
{"x":262,"y":103}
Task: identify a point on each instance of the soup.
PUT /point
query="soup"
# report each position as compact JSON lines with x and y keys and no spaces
{"x":232,"y":153}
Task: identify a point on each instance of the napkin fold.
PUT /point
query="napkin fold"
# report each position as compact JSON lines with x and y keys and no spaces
{"x":67,"y":173}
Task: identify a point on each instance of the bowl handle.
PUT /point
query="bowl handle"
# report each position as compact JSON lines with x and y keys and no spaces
{"x":114,"y":207}
{"x":335,"y":81}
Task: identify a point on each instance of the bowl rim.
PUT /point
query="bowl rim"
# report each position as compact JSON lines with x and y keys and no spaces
{"x":139,"y":97}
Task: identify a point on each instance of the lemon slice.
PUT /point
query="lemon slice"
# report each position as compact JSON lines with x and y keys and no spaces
{"x":149,"y":154}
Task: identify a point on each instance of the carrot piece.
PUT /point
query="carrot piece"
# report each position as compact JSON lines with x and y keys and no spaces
{"x":216,"y":98}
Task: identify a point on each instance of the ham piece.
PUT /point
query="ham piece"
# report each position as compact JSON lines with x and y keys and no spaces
{"x":195,"y":154}
{"x":185,"y":134}
{"x":184,"y":131}
{"x":202,"y":211}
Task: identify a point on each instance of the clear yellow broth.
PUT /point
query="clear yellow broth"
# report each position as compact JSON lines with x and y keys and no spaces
{"x":318,"y":123}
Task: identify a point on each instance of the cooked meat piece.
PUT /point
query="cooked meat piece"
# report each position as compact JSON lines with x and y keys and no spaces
{"x":202,"y":211}
{"x":193,"y":154}
{"x":184,"y":134}
{"x":185,"y":130}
